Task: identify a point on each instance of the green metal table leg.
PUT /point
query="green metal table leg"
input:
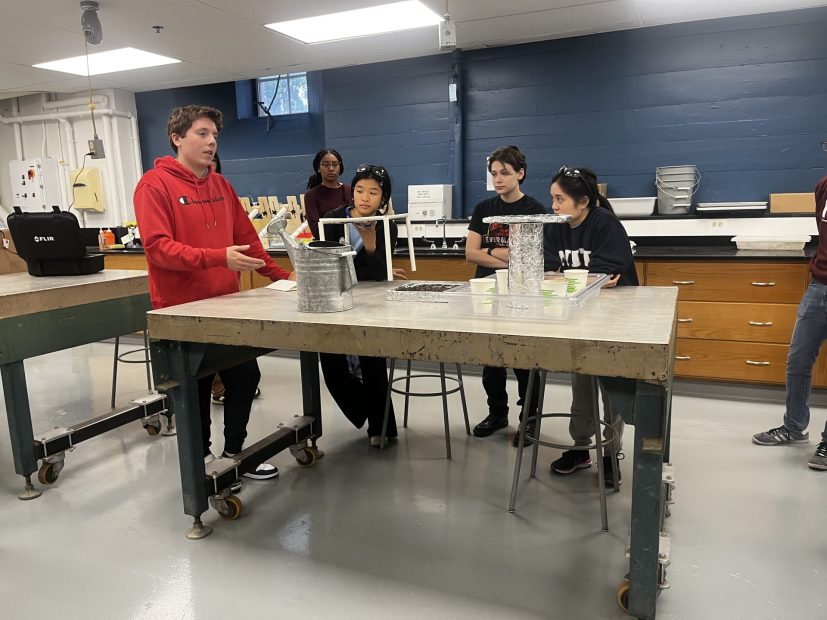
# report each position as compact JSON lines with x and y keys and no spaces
{"x":20,"y":424}
{"x":650,"y":443}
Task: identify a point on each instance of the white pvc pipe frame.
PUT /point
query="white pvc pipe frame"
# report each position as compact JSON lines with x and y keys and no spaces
{"x":62,"y":118}
{"x":375,"y":218}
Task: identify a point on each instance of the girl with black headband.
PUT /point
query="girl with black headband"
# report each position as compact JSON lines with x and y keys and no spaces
{"x":593,"y":239}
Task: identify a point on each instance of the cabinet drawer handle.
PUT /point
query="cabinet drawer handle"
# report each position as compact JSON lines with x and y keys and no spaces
{"x":763,"y":283}
{"x":751,"y":363}
{"x":684,"y":320}
{"x":683,"y":281}
{"x":760,"y":323}
{"x":682,"y":357}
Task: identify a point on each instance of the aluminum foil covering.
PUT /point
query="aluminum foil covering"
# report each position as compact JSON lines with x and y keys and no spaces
{"x":428,"y":291}
{"x":525,"y":258}
{"x":526,"y":219}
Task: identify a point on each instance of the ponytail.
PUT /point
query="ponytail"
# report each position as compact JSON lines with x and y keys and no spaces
{"x":313,"y":180}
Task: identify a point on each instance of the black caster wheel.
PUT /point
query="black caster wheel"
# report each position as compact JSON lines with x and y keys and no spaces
{"x":623,"y":595}
{"x":307,"y":457}
{"x":153,"y":430}
{"x":233,"y":510}
{"x":47,"y":474}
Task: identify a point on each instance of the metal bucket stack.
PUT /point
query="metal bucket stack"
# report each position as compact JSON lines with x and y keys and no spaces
{"x":676,"y":186}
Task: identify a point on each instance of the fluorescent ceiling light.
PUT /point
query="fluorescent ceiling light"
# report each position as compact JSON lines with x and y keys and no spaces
{"x":359,"y":23}
{"x":123,"y":59}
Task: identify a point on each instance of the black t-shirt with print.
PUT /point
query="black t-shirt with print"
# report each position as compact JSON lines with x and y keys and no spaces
{"x":496,"y":235}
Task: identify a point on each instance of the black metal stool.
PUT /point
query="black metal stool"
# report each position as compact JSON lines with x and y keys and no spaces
{"x":121,"y":358}
{"x":443,"y":393}
{"x":598,"y":445}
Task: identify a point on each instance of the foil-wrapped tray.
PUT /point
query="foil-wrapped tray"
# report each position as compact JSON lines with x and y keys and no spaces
{"x":428,"y":291}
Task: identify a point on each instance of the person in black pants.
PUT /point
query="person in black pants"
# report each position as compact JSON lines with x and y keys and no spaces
{"x":487,"y":247}
{"x":360,"y":388}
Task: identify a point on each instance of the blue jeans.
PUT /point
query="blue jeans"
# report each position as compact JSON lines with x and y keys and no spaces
{"x":808,"y":335}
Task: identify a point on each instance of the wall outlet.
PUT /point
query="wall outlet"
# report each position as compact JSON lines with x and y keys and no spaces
{"x":717,"y":227}
{"x":96,"y":148}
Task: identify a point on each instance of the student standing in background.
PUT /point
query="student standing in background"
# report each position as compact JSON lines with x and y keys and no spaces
{"x":487,"y":247}
{"x":324,"y":191}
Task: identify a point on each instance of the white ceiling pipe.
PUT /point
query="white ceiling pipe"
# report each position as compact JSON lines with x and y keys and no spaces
{"x":18,"y":130}
{"x":136,"y":141}
{"x":56,"y":104}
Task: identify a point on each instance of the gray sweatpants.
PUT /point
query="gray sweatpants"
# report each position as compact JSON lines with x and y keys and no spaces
{"x":581,"y":425}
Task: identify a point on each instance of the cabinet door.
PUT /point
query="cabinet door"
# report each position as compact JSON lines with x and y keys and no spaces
{"x":736,"y":321}
{"x":731,"y":361}
{"x":448,"y":268}
{"x":764,"y":282}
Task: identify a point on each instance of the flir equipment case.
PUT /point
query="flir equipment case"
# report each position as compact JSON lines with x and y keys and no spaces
{"x":52,"y":244}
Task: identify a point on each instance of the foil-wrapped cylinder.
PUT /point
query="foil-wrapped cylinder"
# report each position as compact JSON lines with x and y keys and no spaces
{"x":525,"y":258}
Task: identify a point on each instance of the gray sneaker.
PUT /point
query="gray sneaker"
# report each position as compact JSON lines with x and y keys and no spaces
{"x":819,"y":459}
{"x":779,"y":436}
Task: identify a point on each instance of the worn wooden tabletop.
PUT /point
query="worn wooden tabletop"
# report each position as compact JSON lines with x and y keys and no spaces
{"x":625,"y":332}
{"x":22,"y":294}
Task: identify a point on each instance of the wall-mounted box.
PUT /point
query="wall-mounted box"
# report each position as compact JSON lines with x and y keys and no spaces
{"x":430,"y":202}
{"x":86,"y":189}
{"x":35,"y":184}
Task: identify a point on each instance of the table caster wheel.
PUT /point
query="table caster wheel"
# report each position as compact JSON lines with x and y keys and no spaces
{"x":153,"y":429}
{"x":232,"y":510}
{"x":306,"y":457}
{"x":48,"y":473}
{"x":623,"y":595}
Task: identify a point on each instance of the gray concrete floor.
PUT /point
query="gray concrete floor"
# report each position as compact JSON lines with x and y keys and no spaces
{"x":403,"y":533}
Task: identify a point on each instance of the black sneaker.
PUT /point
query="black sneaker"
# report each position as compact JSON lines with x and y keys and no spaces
{"x":570,"y":461}
{"x":531,"y":428}
{"x":608,"y":474}
{"x":819,"y":459}
{"x":490,"y":425}
{"x":780,"y":436}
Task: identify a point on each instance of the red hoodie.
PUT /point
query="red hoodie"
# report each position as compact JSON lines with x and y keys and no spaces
{"x":186,"y":225}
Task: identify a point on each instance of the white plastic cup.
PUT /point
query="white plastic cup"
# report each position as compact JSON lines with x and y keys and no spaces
{"x":577,"y":280}
{"x":480,"y":287}
{"x":555,"y":287}
{"x":502,"y":281}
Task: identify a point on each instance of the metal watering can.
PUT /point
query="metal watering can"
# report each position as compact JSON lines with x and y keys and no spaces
{"x":325,"y":274}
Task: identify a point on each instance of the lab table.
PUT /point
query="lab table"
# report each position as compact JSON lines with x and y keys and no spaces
{"x":41,"y":315}
{"x":626,"y":335}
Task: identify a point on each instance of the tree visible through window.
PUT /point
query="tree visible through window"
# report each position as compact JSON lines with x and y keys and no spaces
{"x":282,"y":94}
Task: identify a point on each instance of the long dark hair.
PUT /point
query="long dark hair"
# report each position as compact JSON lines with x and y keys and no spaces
{"x":316,"y":179}
{"x":579,"y":182}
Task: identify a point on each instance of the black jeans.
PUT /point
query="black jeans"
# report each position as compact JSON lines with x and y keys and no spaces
{"x":493,"y":380}
{"x":360,"y":401}
{"x":240,"y":383}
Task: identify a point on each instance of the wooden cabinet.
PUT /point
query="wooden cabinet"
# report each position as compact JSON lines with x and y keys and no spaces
{"x":735,"y":318}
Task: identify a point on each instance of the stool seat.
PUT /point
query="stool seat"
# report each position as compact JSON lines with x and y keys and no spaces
{"x":444,"y":392}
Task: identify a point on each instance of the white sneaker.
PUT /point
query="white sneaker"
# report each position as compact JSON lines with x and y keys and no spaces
{"x":264,"y":471}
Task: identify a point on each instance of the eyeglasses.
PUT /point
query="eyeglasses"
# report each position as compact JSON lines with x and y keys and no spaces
{"x":570,"y":172}
{"x":329,"y":164}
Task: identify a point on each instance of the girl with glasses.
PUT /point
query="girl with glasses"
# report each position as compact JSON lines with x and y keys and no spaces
{"x":325,"y":192}
{"x":593,"y":239}
{"x":360,"y":386}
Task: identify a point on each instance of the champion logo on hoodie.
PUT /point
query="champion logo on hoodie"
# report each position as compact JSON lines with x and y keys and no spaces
{"x":189,"y":200}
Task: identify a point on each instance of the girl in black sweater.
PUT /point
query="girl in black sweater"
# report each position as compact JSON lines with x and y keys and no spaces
{"x":593,"y":239}
{"x":361,"y":391}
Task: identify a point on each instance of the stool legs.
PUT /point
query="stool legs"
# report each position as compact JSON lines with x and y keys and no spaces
{"x":115,"y":372}
{"x":148,"y":368}
{"x":407,"y":392}
{"x":387,"y":406}
{"x":536,"y":447}
{"x":445,"y":411}
{"x":462,"y":396}
{"x":598,"y":449}
{"x":532,"y":377}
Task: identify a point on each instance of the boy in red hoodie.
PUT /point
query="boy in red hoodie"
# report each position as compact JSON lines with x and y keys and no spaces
{"x":197,"y":238}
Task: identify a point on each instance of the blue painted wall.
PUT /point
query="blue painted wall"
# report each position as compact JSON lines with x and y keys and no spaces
{"x":745,"y":99}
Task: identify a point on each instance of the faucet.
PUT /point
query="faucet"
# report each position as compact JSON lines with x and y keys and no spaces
{"x":443,"y":220}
